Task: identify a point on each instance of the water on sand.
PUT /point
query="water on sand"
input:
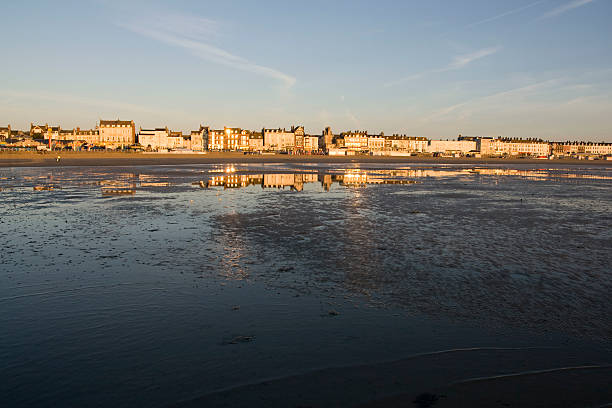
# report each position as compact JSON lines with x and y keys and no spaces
{"x":162,"y":285}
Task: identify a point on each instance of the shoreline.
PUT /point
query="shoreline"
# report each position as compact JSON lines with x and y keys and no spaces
{"x":35,"y":159}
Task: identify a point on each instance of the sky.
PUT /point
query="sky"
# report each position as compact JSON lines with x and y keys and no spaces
{"x":435,"y":68}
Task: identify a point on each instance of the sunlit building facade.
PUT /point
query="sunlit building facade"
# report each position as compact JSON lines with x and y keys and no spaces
{"x":311,"y":143}
{"x":256,"y":142}
{"x":283,"y":140}
{"x":451,"y":146}
{"x":228,"y":139}
{"x":87,"y":136}
{"x":5,"y":133}
{"x":581,"y":148}
{"x":154,"y":139}
{"x":356,"y":140}
{"x":199,"y":138}
{"x":327,"y":139}
{"x":513,"y":147}
{"x":376,"y":143}
{"x":117,"y":133}
{"x":412,"y":144}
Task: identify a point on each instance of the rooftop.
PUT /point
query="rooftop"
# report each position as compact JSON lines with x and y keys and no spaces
{"x":116,"y":122}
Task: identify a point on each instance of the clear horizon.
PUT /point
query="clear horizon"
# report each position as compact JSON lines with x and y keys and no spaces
{"x":540,"y":69}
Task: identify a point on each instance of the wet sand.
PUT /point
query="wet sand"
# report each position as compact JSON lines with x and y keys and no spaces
{"x":469,"y":286}
{"x":35,"y":159}
{"x":478,"y":377}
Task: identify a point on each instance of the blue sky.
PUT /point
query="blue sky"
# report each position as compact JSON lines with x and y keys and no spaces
{"x":431,"y":68}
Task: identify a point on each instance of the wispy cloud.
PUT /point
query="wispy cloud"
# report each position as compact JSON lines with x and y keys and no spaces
{"x":507,"y":13}
{"x":519,"y":91}
{"x":445,"y":111}
{"x":566,"y":7}
{"x":187,"y":32}
{"x":458,"y":62}
{"x":464,"y":60}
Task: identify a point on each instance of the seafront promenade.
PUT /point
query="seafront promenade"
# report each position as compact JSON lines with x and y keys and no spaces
{"x":36,"y":159}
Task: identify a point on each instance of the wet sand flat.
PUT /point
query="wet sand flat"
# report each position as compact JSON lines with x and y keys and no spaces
{"x":34,"y":159}
{"x":306,"y":284}
{"x":450,"y":378}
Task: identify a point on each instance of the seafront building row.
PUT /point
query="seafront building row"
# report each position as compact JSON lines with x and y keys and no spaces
{"x":122,"y":134}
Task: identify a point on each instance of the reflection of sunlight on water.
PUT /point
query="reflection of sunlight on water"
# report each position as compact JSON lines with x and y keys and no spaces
{"x":280,"y":176}
{"x":155,"y":184}
{"x":355,"y":178}
{"x":230,"y":242}
{"x":223,"y":169}
{"x":540,"y":174}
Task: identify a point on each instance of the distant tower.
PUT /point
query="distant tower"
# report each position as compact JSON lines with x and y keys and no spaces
{"x":327,"y":138}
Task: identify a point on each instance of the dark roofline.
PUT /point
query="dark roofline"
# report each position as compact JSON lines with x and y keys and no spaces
{"x":116,"y":122}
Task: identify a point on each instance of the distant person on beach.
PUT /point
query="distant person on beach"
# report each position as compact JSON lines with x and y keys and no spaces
{"x":58,"y":158}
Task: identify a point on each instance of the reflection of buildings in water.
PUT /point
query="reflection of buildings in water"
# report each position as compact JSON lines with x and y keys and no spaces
{"x":122,"y":180}
{"x":282,"y":180}
{"x":295,"y":181}
{"x":388,"y":176}
{"x":356,"y":178}
{"x":538,"y":174}
{"x":273,"y":180}
{"x":349,"y":178}
{"x":360,"y":178}
{"x":235,"y":180}
{"x":326,"y":181}
{"x":150,"y":180}
{"x":353,"y":178}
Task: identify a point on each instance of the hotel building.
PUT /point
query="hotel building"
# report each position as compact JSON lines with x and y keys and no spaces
{"x":451,"y":146}
{"x":581,"y":148}
{"x":311,"y":143}
{"x":406,"y":143}
{"x":256,"y":142}
{"x":232,"y":139}
{"x":199,"y":138}
{"x":355,"y":140}
{"x":281,"y":139}
{"x":117,"y":133}
{"x":513,"y":147}
{"x":154,"y":139}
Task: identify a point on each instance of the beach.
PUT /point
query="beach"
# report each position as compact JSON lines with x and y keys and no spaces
{"x":68,"y":158}
{"x":296,"y":283}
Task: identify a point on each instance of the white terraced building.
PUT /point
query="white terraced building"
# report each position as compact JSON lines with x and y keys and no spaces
{"x":513,"y":147}
{"x":278,"y":139}
{"x":154,"y":139}
{"x":451,"y":146}
{"x":578,"y":148}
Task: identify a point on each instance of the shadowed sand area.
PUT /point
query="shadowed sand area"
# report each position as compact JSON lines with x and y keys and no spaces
{"x":481,"y":377}
{"x":35,"y":159}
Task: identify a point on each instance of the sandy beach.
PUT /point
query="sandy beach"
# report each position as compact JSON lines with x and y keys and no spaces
{"x":36,"y":159}
{"x":379,"y":284}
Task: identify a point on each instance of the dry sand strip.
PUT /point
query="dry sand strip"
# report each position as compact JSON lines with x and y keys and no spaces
{"x":538,"y":377}
{"x":35,"y":159}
